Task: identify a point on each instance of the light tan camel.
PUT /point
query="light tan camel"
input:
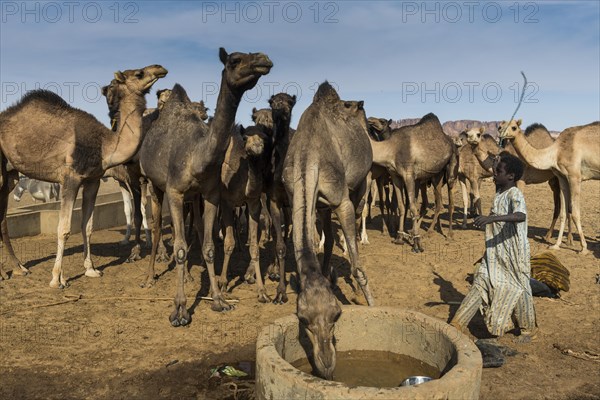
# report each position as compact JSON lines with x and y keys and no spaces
{"x":45,"y":138}
{"x":539,"y":137}
{"x":325,"y":169}
{"x":413,"y":155}
{"x":192,"y":156}
{"x":574,"y":157}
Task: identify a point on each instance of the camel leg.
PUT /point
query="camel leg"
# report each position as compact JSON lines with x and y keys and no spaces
{"x":575,"y":211}
{"x":325,"y":215}
{"x":143,"y":203}
{"x":229,"y":243}
{"x":137,"y":218}
{"x":416,"y":220}
{"x":555,"y":187}
{"x":437,"y":192}
{"x":280,"y":250}
{"x":476,"y":196}
{"x":208,"y":251}
{"x":127,"y":210}
{"x":398,"y":186}
{"x":346,"y":215}
{"x":254,"y":211}
{"x":67,"y":201}
{"x":156,"y":200}
{"x":564,"y":200}
{"x":180,"y":315}
{"x":381,"y":195}
{"x":90,"y":190}
{"x":450,"y":209}
{"x":17,"y":267}
{"x":465,"y":197}
{"x":364,"y":237}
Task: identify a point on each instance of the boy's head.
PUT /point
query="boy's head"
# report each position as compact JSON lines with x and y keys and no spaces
{"x":508,"y":168}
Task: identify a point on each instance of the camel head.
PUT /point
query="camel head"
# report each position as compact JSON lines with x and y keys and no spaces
{"x":461,"y":139}
{"x":354,"y":111}
{"x":135,"y":82}
{"x":255,"y":140}
{"x":379,"y":128}
{"x":474,"y":135}
{"x":282,"y":104}
{"x":162,"y":97}
{"x":200,"y":109}
{"x":242,"y":70}
{"x":263,"y":117}
{"x":318,"y":311}
{"x":508,"y":130}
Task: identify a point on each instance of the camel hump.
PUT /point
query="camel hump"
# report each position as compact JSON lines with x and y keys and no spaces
{"x":533,"y":127}
{"x":326,"y":92}
{"x":178,"y":94}
{"x":43,"y":95}
{"x":429,"y":117}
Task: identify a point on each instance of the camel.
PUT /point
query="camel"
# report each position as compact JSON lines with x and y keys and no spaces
{"x":45,"y":138}
{"x":277,"y":199}
{"x":413,"y":155}
{"x":469,"y":169}
{"x":242,"y":181}
{"x":325,"y":170}
{"x":192,"y":155}
{"x":264,"y":117}
{"x":539,"y":137}
{"x":573,"y":158}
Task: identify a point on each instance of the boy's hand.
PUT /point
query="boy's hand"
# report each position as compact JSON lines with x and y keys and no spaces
{"x":482,"y":220}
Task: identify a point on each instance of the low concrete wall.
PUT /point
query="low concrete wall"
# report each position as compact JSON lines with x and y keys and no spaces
{"x":43,"y":218}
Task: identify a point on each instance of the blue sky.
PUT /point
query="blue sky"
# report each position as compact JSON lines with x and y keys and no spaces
{"x":457,"y":59}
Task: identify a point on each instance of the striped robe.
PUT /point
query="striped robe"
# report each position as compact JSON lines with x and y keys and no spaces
{"x":502,"y":279}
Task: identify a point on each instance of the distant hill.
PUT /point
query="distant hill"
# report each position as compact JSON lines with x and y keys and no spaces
{"x":454,"y":128}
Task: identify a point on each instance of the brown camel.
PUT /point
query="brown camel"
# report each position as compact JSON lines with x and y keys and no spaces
{"x":325,"y":169}
{"x":242,"y":183}
{"x":193,"y":153}
{"x":573,"y":158}
{"x":539,"y":137}
{"x":413,"y":155}
{"x":46,"y":139}
{"x":264,"y":117}
{"x":277,"y":198}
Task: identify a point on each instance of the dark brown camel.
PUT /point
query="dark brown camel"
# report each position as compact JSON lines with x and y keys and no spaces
{"x":45,"y":138}
{"x":192,"y":154}
{"x":325,"y":169}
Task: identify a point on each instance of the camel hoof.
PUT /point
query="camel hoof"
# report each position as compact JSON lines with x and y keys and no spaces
{"x":163,"y":258}
{"x":250,"y":279}
{"x":58,"y":285}
{"x":364,"y":241}
{"x":280,"y":298}
{"x":220,"y":305}
{"x":274,"y":277}
{"x":93,"y":273}
{"x":554,"y":247}
{"x":263,"y":298}
{"x":584,"y":252}
{"x":148,"y":283}
{"x":21,"y":271}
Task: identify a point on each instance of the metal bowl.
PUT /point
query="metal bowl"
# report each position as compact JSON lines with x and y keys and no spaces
{"x":415,"y":380}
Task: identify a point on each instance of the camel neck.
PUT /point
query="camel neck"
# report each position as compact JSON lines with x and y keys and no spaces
{"x":224,"y":120}
{"x":282,"y":131}
{"x":538,"y":158}
{"x":379,"y":149}
{"x":119,"y":147}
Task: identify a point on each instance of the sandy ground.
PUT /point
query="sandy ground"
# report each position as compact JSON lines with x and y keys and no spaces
{"x":116,"y":341}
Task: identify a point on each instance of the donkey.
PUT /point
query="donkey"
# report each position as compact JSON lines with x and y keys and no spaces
{"x":39,"y":190}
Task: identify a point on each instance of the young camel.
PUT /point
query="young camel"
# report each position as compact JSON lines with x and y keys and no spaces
{"x":539,"y":137}
{"x":573,"y":158}
{"x":325,"y":169}
{"x":242,"y":183}
{"x":45,"y":138}
{"x":277,"y":198}
{"x":192,"y":155}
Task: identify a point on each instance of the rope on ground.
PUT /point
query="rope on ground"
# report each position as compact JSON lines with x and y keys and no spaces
{"x":583,"y":355}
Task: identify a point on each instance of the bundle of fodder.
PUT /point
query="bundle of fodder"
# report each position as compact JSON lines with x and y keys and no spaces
{"x":549,"y":275}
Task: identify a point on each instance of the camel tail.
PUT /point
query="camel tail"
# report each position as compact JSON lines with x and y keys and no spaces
{"x":304,"y":203}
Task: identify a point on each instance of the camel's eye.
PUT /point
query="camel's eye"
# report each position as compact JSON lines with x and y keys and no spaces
{"x":235,"y":61}
{"x":514,"y":128}
{"x":139,"y":74}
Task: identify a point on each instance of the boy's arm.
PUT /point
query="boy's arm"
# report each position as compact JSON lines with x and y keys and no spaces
{"x":512,"y":217}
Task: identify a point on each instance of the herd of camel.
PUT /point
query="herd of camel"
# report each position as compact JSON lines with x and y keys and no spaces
{"x":211,"y":168}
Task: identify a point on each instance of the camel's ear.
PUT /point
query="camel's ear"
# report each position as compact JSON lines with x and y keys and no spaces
{"x":294,"y":98}
{"x":119,"y":76}
{"x":519,"y":122}
{"x":223,"y":55}
{"x":361,"y":104}
{"x":242,"y":130}
{"x":389,"y":121}
{"x":271,"y":101}
{"x":104,"y":90}
{"x":253,"y":116}
{"x":481,"y":129}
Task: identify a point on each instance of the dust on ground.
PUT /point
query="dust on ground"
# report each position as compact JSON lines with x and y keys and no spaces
{"x":116,"y":341}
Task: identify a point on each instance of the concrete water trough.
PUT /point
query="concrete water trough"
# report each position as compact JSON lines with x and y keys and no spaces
{"x":386,"y":329}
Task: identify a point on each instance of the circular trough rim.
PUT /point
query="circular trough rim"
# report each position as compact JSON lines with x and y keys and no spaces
{"x":468,"y":357}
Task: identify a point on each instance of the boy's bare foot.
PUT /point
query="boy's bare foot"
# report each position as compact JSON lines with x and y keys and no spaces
{"x":526,"y":336}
